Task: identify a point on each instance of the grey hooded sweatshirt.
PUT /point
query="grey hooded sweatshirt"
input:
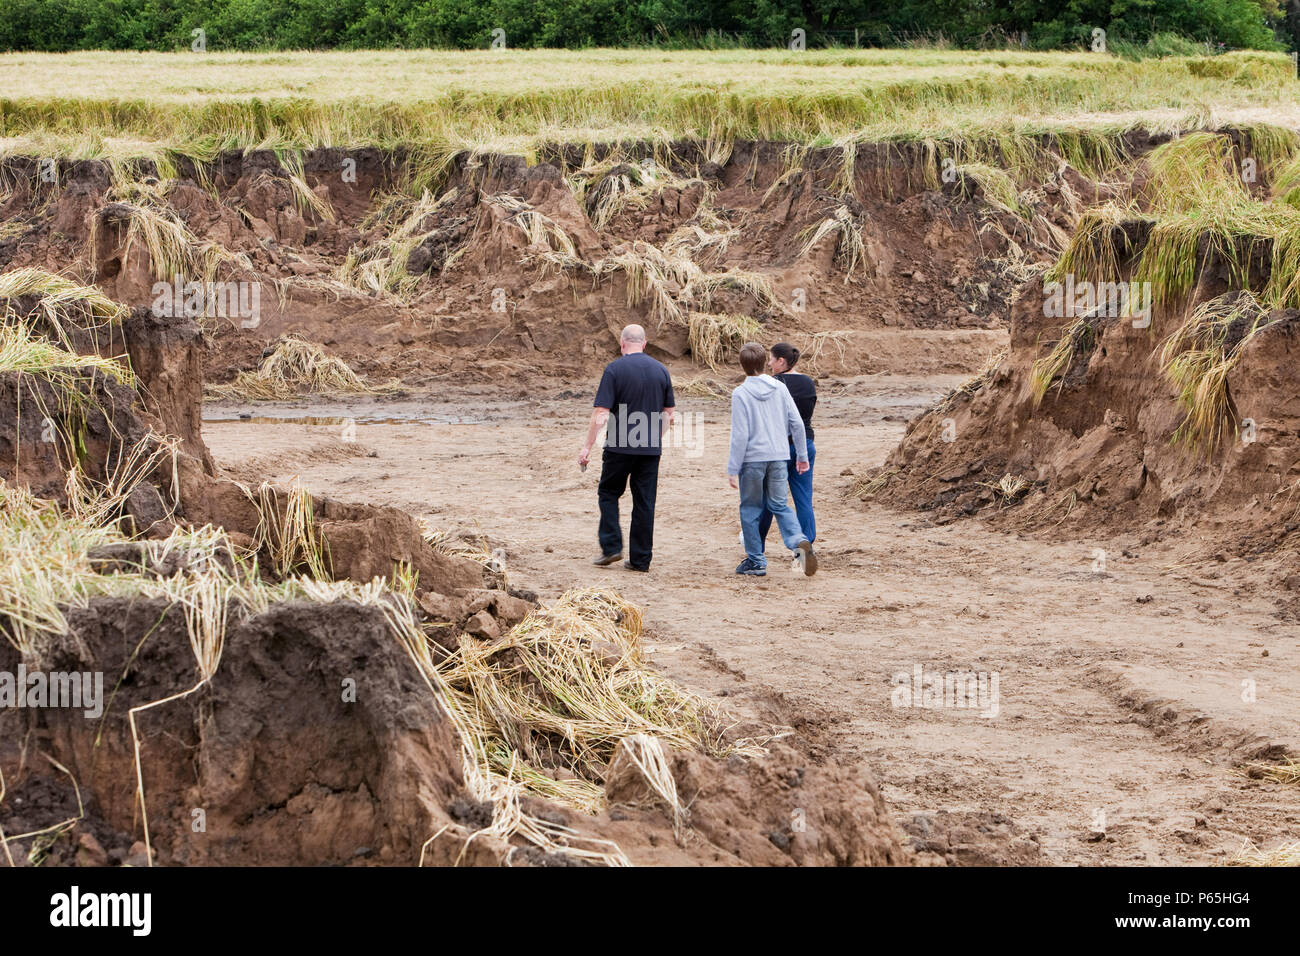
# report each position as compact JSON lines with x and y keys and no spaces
{"x":764,"y":419}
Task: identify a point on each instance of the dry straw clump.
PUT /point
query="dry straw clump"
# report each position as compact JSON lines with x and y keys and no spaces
{"x":62,"y":301}
{"x":1077,"y":341}
{"x":614,"y":184}
{"x":1009,"y":488}
{"x":1198,"y":358}
{"x":714,"y":338}
{"x":475,"y":546}
{"x":1284,"y":854}
{"x":1288,"y":771}
{"x":549,"y":703}
{"x":380,"y":267}
{"x":151,"y":224}
{"x":850,"y":251}
{"x":296,"y":366}
{"x":540,"y":229}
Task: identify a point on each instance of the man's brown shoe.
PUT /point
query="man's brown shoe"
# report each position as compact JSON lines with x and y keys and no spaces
{"x":607,"y":559}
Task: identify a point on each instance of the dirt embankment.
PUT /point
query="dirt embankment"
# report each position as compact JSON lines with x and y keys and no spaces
{"x":318,"y":743}
{"x":1108,"y":442}
{"x":533,"y":269}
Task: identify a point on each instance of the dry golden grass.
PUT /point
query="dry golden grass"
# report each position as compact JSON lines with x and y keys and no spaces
{"x":145,"y":103}
{"x":1288,"y":771}
{"x":849,"y":248}
{"x":1284,"y":854}
{"x":716,"y":338}
{"x":868,"y":486}
{"x":1076,"y":340}
{"x":380,"y":267}
{"x":1198,"y":358}
{"x":550,"y":702}
{"x":294,"y":367}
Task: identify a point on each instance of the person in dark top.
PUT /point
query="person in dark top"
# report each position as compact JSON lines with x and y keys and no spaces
{"x":635,"y":401}
{"x":804,"y":392}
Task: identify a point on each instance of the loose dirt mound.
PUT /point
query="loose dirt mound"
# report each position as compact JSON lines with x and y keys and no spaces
{"x":1109,"y":443}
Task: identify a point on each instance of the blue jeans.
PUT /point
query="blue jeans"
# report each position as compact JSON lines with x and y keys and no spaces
{"x":801,"y":492}
{"x":765,"y":487}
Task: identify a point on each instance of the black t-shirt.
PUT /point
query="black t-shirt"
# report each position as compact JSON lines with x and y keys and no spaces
{"x":804,"y":392}
{"x":636,"y":389}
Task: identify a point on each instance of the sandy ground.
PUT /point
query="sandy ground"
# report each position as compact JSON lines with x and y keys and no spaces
{"x":1124,"y":694}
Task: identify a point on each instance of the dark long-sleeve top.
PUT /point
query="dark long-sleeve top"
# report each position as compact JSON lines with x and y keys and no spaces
{"x":804,"y":392}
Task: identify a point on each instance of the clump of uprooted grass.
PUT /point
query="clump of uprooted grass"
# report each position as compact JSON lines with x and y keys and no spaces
{"x":1288,"y":771}
{"x":715,"y":338}
{"x":59,"y":297}
{"x":24,"y":351}
{"x":671,"y":282}
{"x":1009,"y":488}
{"x":381,"y":267}
{"x":868,"y":486}
{"x":996,"y":185}
{"x":655,"y":276}
{"x":540,"y":229}
{"x":614,"y":184}
{"x":71,"y":376}
{"x":700,"y":388}
{"x":153,"y":225}
{"x":1098,"y":247}
{"x":476,"y":547}
{"x":1197,"y":359}
{"x":1192,"y":171}
{"x":819,"y":345}
{"x":756,"y":285}
{"x":304,"y":197}
{"x":1077,"y":340}
{"x":850,"y":251}
{"x":550,"y":702}
{"x":697,"y":242}
{"x":1200,"y":213}
{"x":286,"y":531}
{"x":296,"y":366}
{"x":1284,"y":854}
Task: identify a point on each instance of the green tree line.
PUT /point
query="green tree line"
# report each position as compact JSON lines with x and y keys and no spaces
{"x":1142,"y":26}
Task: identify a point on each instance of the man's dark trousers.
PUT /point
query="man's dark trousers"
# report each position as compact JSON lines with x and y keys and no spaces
{"x":617,"y":468}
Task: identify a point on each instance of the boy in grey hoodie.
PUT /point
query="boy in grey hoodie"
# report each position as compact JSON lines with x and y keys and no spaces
{"x":763,"y":421}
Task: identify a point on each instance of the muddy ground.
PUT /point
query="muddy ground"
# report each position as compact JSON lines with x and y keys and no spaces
{"x":1131,"y":689}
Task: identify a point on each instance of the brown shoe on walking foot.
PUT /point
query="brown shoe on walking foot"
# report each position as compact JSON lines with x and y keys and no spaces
{"x":607,"y":559}
{"x":809,"y":558}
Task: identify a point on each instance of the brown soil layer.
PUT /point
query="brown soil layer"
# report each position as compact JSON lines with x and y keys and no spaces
{"x":937,"y":262}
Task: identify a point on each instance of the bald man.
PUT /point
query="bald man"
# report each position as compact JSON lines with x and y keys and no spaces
{"x":635,"y":399}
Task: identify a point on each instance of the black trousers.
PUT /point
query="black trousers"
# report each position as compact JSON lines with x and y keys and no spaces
{"x":617,"y":469}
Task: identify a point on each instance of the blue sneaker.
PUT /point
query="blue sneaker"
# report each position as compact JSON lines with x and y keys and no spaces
{"x":749,"y":567}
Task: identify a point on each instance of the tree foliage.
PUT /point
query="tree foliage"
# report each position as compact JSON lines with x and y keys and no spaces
{"x":1140,"y":26}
